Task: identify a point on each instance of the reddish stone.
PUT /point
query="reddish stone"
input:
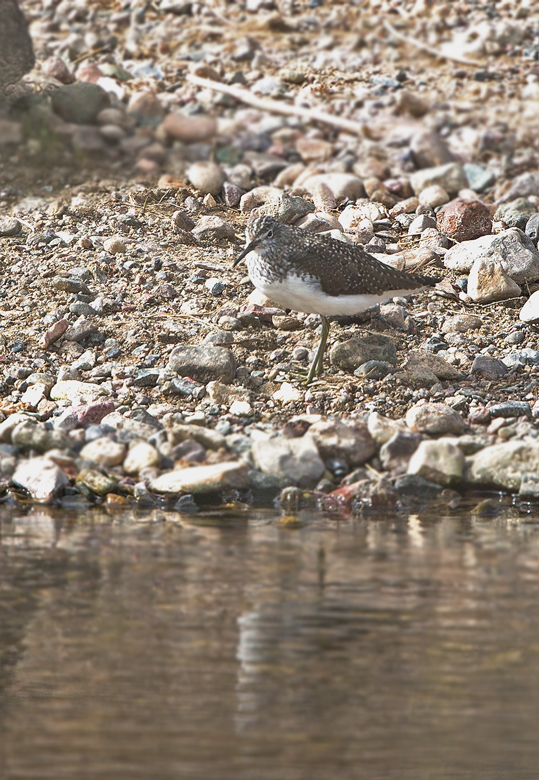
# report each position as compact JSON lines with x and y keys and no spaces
{"x":92,"y":414}
{"x":54,"y":333}
{"x":464,"y":220}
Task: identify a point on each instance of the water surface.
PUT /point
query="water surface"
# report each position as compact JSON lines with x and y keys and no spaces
{"x":236,"y":646}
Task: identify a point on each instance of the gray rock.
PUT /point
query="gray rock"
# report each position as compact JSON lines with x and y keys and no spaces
{"x":338,"y":440}
{"x":213,"y":229}
{"x":437,"y":365}
{"x":80,"y":102}
{"x":421,"y":223}
{"x":522,"y":357}
{"x":512,"y":248}
{"x":41,"y":477}
{"x":503,"y":465}
{"x":396,"y":452}
{"x":516,"y":213}
{"x":450,"y":176}
{"x":358,"y":350}
{"x":9,"y":226}
{"x":524,"y":185}
{"x":203,"y":363}
{"x":373,"y":370}
{"x":529,"y":487}
{"x":286,"y":208}
{"x":81,"y":329}
{"x":199,"y":480}
{"x":461,"y":323}
{"x":434,"y":419}
{"x":489,"y":367}
{"x":439,"y":461}
{"x":511,"y":409}
{"x":532,"y":227}
{"x":478,"y":178}
{"x":417,"y":375}
{"x":291,"y":461}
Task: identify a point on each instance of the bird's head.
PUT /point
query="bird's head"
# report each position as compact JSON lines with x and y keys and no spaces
{"x":259,"y":231}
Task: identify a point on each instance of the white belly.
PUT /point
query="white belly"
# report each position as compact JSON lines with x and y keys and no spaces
{"x":305,"y":295}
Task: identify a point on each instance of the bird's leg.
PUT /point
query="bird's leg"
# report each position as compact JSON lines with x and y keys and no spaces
{"x":318,"y":362}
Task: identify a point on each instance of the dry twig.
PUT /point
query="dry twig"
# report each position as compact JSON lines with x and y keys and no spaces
{"x":276,"y":107}
{"x":410,"y":41}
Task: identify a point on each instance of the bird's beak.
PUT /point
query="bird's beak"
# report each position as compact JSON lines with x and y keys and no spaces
{"x":245,"y":252}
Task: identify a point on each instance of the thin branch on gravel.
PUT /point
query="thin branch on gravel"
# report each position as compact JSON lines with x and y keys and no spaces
{"x":276,"y":107}
{"x":410,"y":41}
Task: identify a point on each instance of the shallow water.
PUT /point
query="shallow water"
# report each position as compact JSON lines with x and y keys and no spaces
{"x":235,"y":646}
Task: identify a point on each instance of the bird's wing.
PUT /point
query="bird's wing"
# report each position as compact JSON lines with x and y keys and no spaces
{"x":345,"y":269}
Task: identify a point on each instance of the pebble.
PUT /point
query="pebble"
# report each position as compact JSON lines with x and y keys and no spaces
{"x":82,"y":392}
{"x":96,"y":482}
{"x":464,"y":220}
{"x":450,"y":177}
{"x":373,"y":369}
{"x":421,"y":223}
{"x":434,"y":419}
{"x":117,"y":246}
{"x":353,"y":353}
{"x":140,"y":456}
{"x":199,"y":480}
{"x":479,"y":179}
{"x":288,"y":394}
{"x":202,"y":364}
{"x":104,"y":451}
{"x":396,"y":453}
{"x":516,"y":252}
{"x":532,"y":227}
{"x":41,"y":478}
{"x":488,"y":282}
{"x":213,"y":228}
{"x":461,"y":323}
{"x":207,"y":177}
{"x":343,"y":186}
{"x":430,"y":150}
{"x":511,"y":409}
{"x":190,"y":129}
{"x":9,"y":226}
{"x":440,"y":461}
{"x":432,"y":196}
{"x":382,"y":429}
{"x":79,"y":103}
{"x":489,"y":367}
{"x":436,"y":364}
{"x":291,"y":461}
{"x":337,"y":440}
{"x":53,"y":333}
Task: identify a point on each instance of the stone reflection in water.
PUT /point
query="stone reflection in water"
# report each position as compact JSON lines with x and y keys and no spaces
{"x":234,"y":648}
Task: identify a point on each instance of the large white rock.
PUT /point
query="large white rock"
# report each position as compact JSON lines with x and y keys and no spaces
{"x":512,"y":248}
{"x":503,"y":465}
{"x":41,"y":477}
{"x":71,"y":390}
{"x":104,"y":451}
{"x":488,"y":282}
{"x":203,"y":479}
